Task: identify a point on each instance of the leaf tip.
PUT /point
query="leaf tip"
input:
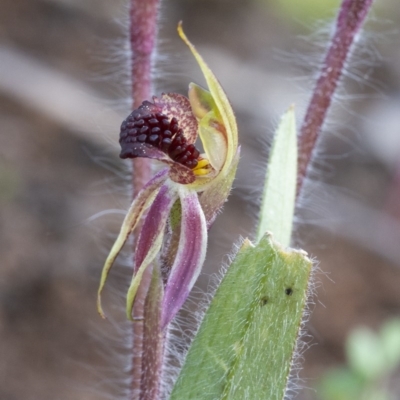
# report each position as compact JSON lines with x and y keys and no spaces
{"x":247,"y":243}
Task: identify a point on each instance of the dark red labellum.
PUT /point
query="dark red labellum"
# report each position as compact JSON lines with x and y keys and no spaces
{"x":146,"y":127}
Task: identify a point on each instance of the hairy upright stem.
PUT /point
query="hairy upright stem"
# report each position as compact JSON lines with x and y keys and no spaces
{"x":142,"y":36}
{"x":153,"y":340}
{"x":350,"y":19}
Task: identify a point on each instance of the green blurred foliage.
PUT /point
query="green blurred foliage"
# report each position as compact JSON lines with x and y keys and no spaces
{"x":365,"y":354}
{"x":371,"y":359}
{"x":306,"y":10}
{"x":9,"y":183}
{"x":340,"y":384}
{"x":390,"y":336}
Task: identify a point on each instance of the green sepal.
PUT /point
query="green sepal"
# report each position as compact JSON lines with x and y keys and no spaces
{"x":246,"y":341}
{"x":225,"y":112}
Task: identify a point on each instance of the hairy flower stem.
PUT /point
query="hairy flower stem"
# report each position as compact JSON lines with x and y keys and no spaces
{"x":153,"y":340}
{"x":142,"y":38}
{"x":350,"y":19}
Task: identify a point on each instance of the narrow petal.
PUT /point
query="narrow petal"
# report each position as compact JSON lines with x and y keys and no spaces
{"x":178,"y":106}
{"x":222,"y":102}
{"x":190,"y":256}
{"x":139,"y":205}
{"x":151,"y":238}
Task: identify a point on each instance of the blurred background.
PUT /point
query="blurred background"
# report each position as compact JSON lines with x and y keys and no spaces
{"x":63,"y":189}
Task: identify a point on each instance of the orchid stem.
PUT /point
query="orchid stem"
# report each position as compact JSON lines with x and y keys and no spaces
{"x":142,"y":38}
{"x":350,"y":19}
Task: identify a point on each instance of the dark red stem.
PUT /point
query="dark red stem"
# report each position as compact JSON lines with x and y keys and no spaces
{"x":350,"y":19}
{"x":142,"y":37}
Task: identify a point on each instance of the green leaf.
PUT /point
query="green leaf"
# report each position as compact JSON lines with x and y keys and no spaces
{"x":277,"y":206}
{"x":245,"y":344}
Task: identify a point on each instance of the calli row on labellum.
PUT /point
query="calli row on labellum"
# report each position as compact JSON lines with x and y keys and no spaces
{"x":181,"y":201}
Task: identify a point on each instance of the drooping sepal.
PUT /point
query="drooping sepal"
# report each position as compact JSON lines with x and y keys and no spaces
{"x":150,"y":239}
{"x":138,"y":207}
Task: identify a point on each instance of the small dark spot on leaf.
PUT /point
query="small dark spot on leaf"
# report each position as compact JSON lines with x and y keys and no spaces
{"x":289,"y":291}
{"x":264,"y":301}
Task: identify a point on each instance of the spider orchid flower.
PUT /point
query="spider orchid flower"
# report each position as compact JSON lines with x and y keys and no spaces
{"x":181,"y":201}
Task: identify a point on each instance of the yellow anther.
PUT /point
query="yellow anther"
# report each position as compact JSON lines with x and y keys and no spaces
{"x":201,"y":164}
{"x":202,"y":171}
{"x":203,"y":167}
